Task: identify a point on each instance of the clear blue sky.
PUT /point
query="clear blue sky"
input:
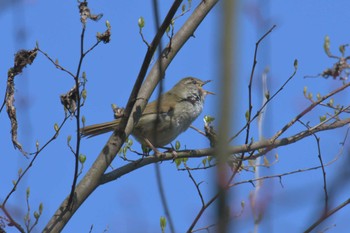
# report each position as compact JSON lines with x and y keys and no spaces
{"x":132,"y":203}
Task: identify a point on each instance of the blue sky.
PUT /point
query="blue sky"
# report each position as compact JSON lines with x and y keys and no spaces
{"x":132,"y":202}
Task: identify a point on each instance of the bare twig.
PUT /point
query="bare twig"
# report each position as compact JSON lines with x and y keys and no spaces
{"x":250,"y":107}
{"x":23,"y":173}
{"x":327,"y":215}
{"x":326,"y":199}
{"x":195,"y":184}
{"x":56,"y":64}
{"x":308,"y":109}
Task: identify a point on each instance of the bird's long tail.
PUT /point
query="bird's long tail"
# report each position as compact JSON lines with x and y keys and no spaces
{"x":97,"y":129}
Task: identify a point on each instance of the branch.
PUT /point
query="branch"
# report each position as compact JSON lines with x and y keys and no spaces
{"x":327,"y":215}
{"x":271,"y":144}
{"x":308,"y":109}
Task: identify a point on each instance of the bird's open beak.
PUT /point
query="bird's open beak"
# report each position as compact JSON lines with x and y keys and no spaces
{"x":205,"y":82}
{"x":205,"y":91}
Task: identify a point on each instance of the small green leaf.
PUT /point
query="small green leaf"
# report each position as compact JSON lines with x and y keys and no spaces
{"x":162,"y":223}
{"x":208,"y":119}
{"x":129,"y":142}
{"x":326,"y":45}
{"x":141,"y":22}
{"x":41,"y":208}
{"x":318,"y":96}
{"x":183,"y":8}
{"x":36,"y":215}
{"x":267,"y":95}
{"x":305,"y":90}
{"x":178,"y":162}
{"x":184,"y":160}
{"x":108,"y":25}
{"x":84,"y":94}
{"x":296,"y":64}
{"x":204,"y":162}
{"x":20,"y":171}
{"x":247,"y":115}
{"x":177,"y":145}
{"x":82,"y":158}
{"x":84,"y":75}
{"x":331,"y":102}
{"x":309,"y":96}
{"x":323,"y":118}
{"x":37,"y":145}
{"x":28,"y":192}
{"x":56,"y":127}
{"x":69,"y":138}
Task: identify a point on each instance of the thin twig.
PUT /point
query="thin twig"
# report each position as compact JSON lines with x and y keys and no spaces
{"x":308,"y":109}
{"x":195,"y":184}
{"x":58,"y":66}
{"x":327,"y":215}
{"x":326,"y":198}
{"x":21,"y":175}
{"x":250,"y":106}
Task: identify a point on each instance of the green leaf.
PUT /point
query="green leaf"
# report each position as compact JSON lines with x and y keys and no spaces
{"x":318,"y":96}
{"x":84,"y":94}
{"x":162,"y":223}
{"x":267,"y":95}
{"x":177,"y":145}
{"x":36,"y":215}
{"x":247,"y":116}
{"x":141,"y":22}
{"x":331,"y":102}
{"x":327,"y":45}
{"x":28,"y":192}
{"x":82,"y":158}
{"x":20,"y":171}
{"x":37,"y":145}
{"x":56,"y":127}
{"x":204,"y":162}
{"x":309,"y":96}
{"x":296,"y":64}
{"x":323,"y":118}
{"x":183,"y":8}
{"x":178,"y":162}
{"x":108,"y":25}
{"x":208,"y":119}
{"x":305,"y":90}
{"x":41,"y":208}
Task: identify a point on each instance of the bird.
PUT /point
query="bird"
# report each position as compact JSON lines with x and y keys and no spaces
{"x":159,"y":125}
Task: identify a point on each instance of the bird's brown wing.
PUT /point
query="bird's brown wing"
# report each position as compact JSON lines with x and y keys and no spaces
{"x":168,"y":98}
